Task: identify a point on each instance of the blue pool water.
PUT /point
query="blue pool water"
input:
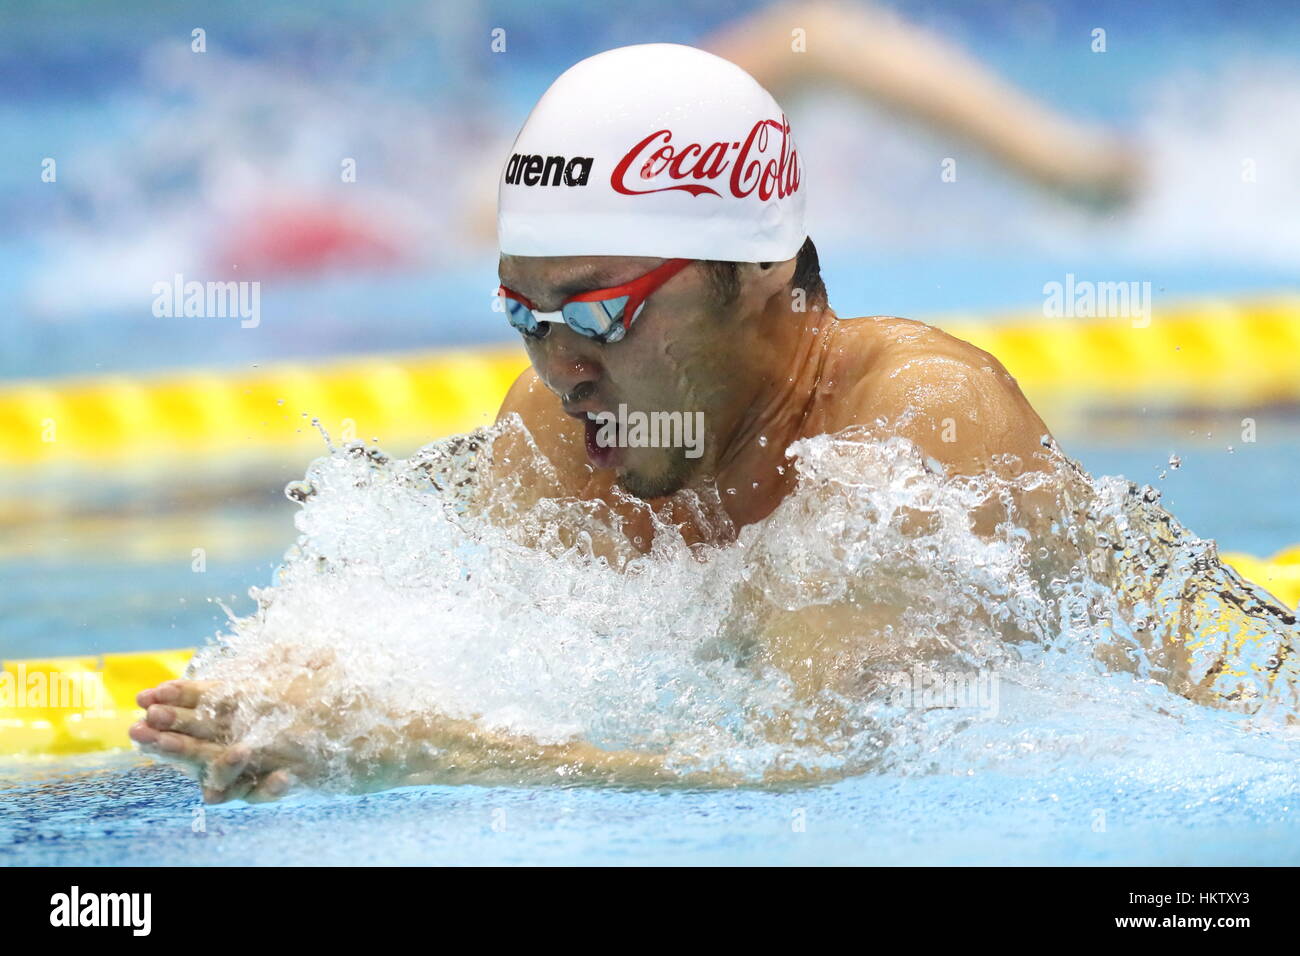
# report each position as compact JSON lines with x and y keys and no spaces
{"x":121,"y":811}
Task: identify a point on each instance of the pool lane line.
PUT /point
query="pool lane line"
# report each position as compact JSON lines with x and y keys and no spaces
{"x":1230,"y":353}
{"x":133,"y":424}
{"x":70,"y":705}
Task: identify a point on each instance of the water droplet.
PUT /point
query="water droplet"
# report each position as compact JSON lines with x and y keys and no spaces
{"x":299,"y":491}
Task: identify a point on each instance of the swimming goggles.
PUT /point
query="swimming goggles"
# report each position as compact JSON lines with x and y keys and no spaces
{"x":605,"y":315}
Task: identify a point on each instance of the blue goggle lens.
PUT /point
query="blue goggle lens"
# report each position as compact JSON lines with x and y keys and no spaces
{"x":520,"y":316}
{"x":601,"y":320}
{"x":594,"y":319}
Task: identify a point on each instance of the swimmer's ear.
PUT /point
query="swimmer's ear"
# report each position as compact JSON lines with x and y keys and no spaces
{"x":762,"y":280}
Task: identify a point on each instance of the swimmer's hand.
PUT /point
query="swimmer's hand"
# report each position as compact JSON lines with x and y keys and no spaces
{"x":188,"y":722}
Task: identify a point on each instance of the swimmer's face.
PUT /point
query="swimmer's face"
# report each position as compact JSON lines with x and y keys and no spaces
{"x":674,"y":359}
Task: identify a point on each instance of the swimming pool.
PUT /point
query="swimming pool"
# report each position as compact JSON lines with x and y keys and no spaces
{"x":121,"y":811}
{"x":1062,"y":781}
{"x":1101,"y":777}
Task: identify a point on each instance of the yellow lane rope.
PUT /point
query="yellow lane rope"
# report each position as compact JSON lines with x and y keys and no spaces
{"x":1207,"y":353}
{"x":68,"y":705}
{"x":403,"y":400}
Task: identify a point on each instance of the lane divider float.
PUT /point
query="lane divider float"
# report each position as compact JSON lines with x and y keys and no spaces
{"x":1208,"y":353}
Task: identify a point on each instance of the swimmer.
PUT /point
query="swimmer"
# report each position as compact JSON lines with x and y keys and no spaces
{"x":655,"y":261}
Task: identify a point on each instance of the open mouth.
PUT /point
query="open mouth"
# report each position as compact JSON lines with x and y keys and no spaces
{"x":604,"y":443}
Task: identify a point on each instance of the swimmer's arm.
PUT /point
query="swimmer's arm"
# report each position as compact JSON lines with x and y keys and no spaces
{"x":877,"y":55}
{"x":524,"y":398}
{"x":558,"y":436}
{"x":189,"y":723}
{"x":432,"y":748}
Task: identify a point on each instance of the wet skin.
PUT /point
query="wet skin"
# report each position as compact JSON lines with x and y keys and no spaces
{"x":765,"y":373}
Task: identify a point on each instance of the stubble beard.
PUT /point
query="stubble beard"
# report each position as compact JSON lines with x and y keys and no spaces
{"x":669,"y":481}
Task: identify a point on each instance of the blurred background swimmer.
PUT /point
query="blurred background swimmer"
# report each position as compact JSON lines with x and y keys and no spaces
{"x":875,"y":53}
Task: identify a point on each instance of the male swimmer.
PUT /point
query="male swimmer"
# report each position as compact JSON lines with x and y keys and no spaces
{"x":654,"y":259}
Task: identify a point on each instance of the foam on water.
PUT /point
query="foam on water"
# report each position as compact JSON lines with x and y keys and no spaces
{"x":420,"y":585}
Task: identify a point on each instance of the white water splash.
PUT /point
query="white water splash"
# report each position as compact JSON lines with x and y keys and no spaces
{"x":425,"y":602}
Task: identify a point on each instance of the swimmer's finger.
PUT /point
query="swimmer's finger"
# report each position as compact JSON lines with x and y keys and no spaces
{"x":144,"y":735}
{"x":250,"y":789}
{"x":183,"y":693}
{"x":149,"y":695}
{"x":224,"y":771}
{"x":183,"y":720}
{"x":175,"y":746}
{"x":163,"y":693}
{"x":146,"y":697}
{"x":273,"y":786}
{"x":236,"y":791}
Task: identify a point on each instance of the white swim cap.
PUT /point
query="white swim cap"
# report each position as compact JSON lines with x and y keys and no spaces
{"x":655,"y":150}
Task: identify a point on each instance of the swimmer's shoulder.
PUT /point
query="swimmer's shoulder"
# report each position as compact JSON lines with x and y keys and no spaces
{"x":932,"y":386}
{"x":882,"y":344}
{"x":875,"y":355}
{"x":526,"y":398}
{"x":558,"y":436}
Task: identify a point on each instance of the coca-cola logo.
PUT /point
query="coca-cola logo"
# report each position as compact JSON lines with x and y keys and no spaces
{"x":764,"y":162}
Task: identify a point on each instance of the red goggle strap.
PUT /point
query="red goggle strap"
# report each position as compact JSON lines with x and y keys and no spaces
{"x":637,"y":291}
{"x":511,"y":294}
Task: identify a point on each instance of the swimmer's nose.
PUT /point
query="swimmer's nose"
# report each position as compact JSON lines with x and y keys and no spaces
{"x":567,"y":372}
{"x":580,"y":393}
